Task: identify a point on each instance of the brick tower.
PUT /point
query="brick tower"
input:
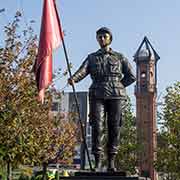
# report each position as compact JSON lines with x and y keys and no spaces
{"x":145,"y":91}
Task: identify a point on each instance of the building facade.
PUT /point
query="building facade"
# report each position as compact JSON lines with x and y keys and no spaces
{"x":67,"y":105}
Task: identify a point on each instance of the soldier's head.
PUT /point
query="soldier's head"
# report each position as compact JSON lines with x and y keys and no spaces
{"x":104,"y":36}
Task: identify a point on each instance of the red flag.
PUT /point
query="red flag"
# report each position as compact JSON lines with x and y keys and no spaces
{"x":50,"y":38}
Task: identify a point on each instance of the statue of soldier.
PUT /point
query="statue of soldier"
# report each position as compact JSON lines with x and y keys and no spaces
{"x":110,"y":72}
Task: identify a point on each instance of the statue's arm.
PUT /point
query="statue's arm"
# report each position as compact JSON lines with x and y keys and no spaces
{"x":82,"y":72}
{"x":129,"y":76}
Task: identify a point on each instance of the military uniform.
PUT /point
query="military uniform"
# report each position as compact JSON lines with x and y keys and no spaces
{"x":110,"y":73}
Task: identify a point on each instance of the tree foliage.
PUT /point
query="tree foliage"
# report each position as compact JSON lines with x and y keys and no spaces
{"x":28,"y":134}
{"x":126,"y":159}
{"x":168,"y":154}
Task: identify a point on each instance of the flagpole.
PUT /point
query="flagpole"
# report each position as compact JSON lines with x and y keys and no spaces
{"x":75,"y":95}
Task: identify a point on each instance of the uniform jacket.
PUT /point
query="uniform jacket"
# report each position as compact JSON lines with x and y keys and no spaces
{"x":110,"y":73}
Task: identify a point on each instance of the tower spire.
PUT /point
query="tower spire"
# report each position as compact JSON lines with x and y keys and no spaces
{"x":146,"y":48}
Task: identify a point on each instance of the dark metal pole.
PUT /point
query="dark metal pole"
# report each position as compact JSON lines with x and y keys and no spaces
{"x":75,"y":95}
{"x":77,"y":105}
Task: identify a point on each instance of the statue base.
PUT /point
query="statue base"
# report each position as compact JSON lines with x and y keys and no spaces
{"x":86,"y":175}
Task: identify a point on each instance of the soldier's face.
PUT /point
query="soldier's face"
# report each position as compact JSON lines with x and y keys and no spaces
{"x":104,"y":39}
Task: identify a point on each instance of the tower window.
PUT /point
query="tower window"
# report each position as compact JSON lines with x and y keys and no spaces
{"x":143,"y":75}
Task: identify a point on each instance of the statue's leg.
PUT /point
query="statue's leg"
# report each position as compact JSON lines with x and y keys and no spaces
{"x":113,"y":122}
{"x":97,"y":119}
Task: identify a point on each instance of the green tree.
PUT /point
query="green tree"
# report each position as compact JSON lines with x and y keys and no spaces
{"x":27,"y":131}
{"x":168,"y":154}
{"x":126,"y":159}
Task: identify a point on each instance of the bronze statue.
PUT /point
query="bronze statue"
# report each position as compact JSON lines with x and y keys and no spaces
{"x":110,"y":72}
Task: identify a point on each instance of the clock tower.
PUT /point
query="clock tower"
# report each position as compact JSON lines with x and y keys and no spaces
{"x":146,"y":91}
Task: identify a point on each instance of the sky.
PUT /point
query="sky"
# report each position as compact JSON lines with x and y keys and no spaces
{"x":129,"y":20}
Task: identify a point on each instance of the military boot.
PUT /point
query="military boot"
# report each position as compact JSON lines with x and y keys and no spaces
{"x":98,"y":163}
{"x":111,"y":166}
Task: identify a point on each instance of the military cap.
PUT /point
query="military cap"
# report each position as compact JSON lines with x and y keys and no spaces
{"x":104,"y":30}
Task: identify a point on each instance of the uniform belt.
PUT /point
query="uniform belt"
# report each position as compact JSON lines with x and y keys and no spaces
{"x":107,"y":79}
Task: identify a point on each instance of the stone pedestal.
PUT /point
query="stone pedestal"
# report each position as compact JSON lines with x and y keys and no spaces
{"x":99,"y":176}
